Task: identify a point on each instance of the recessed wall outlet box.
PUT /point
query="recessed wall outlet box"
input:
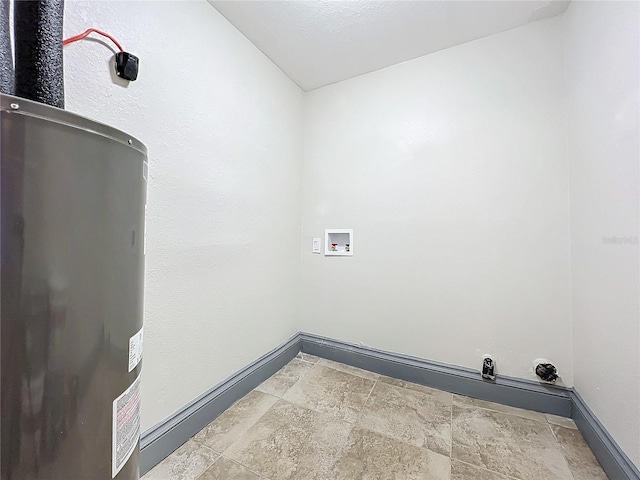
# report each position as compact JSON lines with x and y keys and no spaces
{"x":545,"y":370}
{"x":317,"y":245}
{"x":488,"y":367}
{"x":338,"y":241}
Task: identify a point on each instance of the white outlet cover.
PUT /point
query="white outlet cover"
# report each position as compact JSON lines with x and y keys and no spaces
{"x":316,"y":246}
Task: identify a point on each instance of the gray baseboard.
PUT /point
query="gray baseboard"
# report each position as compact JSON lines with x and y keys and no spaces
{"x":515,"y":392}
{"x":161,"y":440}
{"x":463,"y":381}
{"x":613,"y":460}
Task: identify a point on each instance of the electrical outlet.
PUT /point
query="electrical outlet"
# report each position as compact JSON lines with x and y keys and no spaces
{"x":488,"y":367}
{"x":317,"y":246}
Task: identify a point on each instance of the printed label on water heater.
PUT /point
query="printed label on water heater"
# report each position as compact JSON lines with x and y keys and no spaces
{"x":135,"y":350}
{"x":126,"y":426}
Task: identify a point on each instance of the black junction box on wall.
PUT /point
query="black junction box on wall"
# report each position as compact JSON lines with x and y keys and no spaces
{"x":127,"y":66}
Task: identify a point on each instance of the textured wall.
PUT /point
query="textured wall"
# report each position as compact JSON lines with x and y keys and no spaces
{"x":223,"y":128}
{"x":452,"y":171}
{"x":603,"y":83}
{"x":451,"y":168}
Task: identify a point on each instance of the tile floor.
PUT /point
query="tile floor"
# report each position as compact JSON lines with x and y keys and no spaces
{"x":320,"y":420}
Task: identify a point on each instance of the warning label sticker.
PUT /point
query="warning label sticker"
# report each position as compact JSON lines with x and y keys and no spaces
{"x":126,"y":426}
{"x":135,"y":350}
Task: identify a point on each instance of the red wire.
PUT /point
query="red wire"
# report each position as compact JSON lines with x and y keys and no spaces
{"x":86,"y":33}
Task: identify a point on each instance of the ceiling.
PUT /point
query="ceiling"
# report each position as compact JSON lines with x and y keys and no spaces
{"x":319,"y":42}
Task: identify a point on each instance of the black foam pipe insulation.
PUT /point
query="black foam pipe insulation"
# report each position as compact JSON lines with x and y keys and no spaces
{"x":39,"y":73}
{"x":6,"y":55}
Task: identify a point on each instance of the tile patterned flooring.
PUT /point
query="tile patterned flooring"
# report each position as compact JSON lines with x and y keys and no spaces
{"x":320,"y":420}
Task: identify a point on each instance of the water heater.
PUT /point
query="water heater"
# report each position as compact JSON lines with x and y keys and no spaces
{"x":72,"y":197}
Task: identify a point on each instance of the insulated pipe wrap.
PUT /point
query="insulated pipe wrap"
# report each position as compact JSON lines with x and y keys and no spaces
{"x":6,"y":56}
{"x":39,"y":73}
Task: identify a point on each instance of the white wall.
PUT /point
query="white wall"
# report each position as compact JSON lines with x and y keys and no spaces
{"x":223,"y":128}
{"x":451,"y":168}
{"x":602,"y":50}
{"x":452,"y":171}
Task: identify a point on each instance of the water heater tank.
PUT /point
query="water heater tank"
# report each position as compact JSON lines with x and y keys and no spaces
{"x":72,"y":197}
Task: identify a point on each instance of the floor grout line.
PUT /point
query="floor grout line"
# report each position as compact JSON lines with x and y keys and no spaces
{"x":317,"y":364}
{"x":356,"y":422}
{"x":327,"y":415}
{"x":243,"y":466}
{"x":306,"y":407}
{"x":306,"y":361}
{"x":208,"y":467}
{"x":342,"y":447}
{"x":241,"y":436}
{"x":313,"y":365}
{"x":555,"y":438}
{"x":467,"y":405}
{"x":355,"y":374}
{"x":370,"y":392}
{"x":243,"y":433}
{"x":451,"y":443}
{"x":396,"y":439}
{"x":487,"y":470}
{"x":211,"y":464}
{"x":294,"y":383}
